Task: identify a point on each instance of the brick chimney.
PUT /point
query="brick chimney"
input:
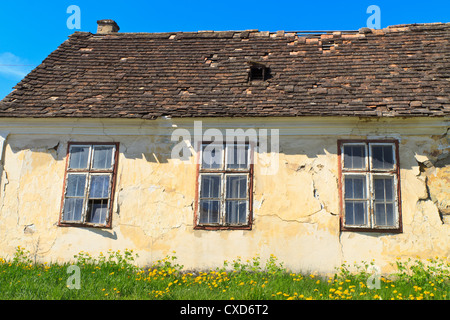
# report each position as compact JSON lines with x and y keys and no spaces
{"x":107,"y":26}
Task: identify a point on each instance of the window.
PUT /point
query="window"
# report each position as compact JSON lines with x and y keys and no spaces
{"x":224,"y":187}
{"x":89,"y":184}
{"x":369,"y":185}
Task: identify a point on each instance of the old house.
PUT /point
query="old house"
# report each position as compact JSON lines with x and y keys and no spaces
{"x":350,"y":160}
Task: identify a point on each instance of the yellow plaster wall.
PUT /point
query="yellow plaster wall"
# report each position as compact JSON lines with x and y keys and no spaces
{"x":296,"y":211}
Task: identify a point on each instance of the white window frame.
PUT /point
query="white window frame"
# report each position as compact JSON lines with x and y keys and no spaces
{"x":370,"y":173}
{"x":89,"y":172}
{"x":225,"y":172}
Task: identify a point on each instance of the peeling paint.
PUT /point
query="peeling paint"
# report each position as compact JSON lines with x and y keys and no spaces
{"x":295,"y":212}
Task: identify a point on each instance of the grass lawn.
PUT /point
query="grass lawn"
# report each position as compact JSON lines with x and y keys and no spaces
{"x":114,"y":276}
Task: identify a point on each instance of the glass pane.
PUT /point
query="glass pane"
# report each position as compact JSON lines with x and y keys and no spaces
{"x":210,"y":186}
{"x":76,"y":184}
{"x":97,"y":211}
{"x":236,"y":186}
{"x":212,"y":156}
{"x":73,"y":207}
{"x":236,"y":211}
{"x":382,"y":157}
{"x":209,"y":211}
{"x":79,"y":157}
{"x":355,"y":187}
{"x":384,"y":188}
{"x":354,"y":157}
{"x":102,"y":157}
{"x":380,"y":214}
{"x":384,"y":214}
{"x":390,"y":214}
{"x":99,"y":186}
{"x":355,"y":213}
{"x":237,"y":156}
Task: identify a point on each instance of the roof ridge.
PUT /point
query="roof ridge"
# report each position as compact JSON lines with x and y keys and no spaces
{"x":256,"y":32}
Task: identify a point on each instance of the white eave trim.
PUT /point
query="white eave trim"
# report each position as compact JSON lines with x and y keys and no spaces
{"x":287,"y":126}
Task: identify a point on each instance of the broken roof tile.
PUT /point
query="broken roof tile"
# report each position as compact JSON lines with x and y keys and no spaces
{"x":397,"y":71}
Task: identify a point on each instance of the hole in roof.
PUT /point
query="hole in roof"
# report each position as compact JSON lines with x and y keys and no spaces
{"x":258,"y":72}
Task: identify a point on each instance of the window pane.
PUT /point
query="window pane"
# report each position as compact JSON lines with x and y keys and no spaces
{"x":73,"y":207}
{"x":384,"y":201}
{"x":102,"y":157}
{"x":355,"y":187}
{"x":79,"y":157}
{"x":76,"y":184}
{"x":210,"y":186}
{"x":236,"y":211}
{"x":236,"y":186}
{"x":382,"y":157}
{"x":209,"y":211}
{"x":384,"y":188}
{"x":354,"y":157}
{"x":355,"y":213}
{"x":237,"y":156}
{"x":97,"y":211}
{"x":99,"y":186}
{"x":212,"y":156}
{"x":384,"y":214}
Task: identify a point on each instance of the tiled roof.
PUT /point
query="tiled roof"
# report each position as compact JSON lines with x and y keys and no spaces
{"x":397,"y":71}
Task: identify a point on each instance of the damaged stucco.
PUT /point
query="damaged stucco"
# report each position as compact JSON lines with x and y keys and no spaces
{"x":295,"y":211}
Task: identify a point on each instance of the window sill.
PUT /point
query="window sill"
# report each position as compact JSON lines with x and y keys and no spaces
{"x":84,"y":225}
{"x":372,"y":230}
{"x":223,"y":227}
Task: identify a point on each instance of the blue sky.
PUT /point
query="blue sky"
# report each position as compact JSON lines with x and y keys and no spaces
{"x":30,"y":30}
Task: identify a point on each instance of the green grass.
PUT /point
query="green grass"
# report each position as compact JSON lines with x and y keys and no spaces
{"x":114,"y":276}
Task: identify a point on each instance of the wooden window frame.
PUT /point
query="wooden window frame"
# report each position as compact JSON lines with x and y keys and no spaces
{"x":89,"y":172}
{"x":369,"y":172}
{"x":224,"y":172}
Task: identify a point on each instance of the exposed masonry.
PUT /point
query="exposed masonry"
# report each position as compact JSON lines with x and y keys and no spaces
{"x":397,"y":71}
{"x":437,"y":165}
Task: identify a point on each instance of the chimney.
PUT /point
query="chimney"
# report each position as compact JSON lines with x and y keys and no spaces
{"x":107,"y":26}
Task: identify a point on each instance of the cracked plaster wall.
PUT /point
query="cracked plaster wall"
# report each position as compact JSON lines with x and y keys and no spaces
{"x":296,"y":211}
